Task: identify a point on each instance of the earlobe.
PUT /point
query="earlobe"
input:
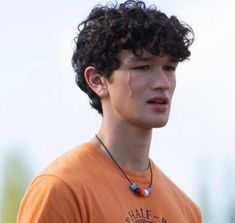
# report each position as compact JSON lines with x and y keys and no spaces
{"x":95,"y":81}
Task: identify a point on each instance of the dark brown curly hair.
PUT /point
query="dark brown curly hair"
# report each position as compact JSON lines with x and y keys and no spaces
{"x":129,"y":25}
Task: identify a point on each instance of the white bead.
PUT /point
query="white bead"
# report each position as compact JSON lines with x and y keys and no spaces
{"x":146,"y":193}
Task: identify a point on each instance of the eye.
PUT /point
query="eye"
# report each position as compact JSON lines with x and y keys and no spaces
{"x":169,"y":68}
{"x":143,"y":67}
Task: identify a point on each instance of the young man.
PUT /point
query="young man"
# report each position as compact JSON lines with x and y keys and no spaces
{"x":125,"y":60}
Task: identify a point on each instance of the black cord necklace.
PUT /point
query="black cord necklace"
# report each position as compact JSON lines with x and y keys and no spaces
{"x":133,"y":186}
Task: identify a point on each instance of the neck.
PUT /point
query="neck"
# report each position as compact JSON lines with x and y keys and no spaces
{"x":128,"y":145}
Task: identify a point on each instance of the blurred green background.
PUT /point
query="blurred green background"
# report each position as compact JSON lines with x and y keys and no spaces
{"x":16,"y":176}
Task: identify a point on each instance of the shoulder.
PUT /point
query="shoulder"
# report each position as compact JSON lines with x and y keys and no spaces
{"x":187,"y":205}
{"x":72,"y":170}
{"x":71,"y":166}
{"x":47,"y":193}
{"x":58,"y":188}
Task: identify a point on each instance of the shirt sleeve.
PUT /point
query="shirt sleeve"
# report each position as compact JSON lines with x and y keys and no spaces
{"x":49,"y":200}
{"x":194,"y":214}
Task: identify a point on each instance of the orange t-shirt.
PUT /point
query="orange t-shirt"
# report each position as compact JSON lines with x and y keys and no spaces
{"x":85,"y":186}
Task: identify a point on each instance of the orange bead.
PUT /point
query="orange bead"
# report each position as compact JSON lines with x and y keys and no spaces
{"x":142,"y":192}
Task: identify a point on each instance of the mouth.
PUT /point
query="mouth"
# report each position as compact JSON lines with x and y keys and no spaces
{"x":159,"y":100}
{"x":159,"y":104}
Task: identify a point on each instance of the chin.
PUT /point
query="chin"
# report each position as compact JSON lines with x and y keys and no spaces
{"x":153,"y":125}
{"x":150,"y":123}
{"x":160,"y":124}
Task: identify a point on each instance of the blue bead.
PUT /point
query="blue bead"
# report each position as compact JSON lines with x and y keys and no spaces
{"x":133,"y":186}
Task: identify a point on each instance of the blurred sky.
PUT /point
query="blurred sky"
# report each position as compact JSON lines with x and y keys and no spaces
{"x":43,"y":113}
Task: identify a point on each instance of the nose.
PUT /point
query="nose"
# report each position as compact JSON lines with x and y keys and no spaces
{"x":161,"y":79}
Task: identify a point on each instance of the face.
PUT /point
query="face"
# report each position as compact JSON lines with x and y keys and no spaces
{"x":141,"y":89}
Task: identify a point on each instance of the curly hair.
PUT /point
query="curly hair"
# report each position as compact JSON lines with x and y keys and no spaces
{"x":129,"y":25}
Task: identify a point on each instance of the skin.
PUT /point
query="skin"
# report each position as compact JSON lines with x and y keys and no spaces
{"x":128,"y":118}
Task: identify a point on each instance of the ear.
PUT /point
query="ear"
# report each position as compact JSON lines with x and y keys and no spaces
{"x":96,"y":82}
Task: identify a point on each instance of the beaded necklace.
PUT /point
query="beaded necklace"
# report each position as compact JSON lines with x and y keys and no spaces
{"x":133,"y":186}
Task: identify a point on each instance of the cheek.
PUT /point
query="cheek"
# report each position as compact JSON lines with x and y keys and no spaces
{"x":173,"y":85}
{"x":129,"y":85}
{"x":135,"y":84}
{"x":172,"y":89}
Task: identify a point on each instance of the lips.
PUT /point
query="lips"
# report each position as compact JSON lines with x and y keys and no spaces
{"x":158,"y":100}
{"x":159,"y":104}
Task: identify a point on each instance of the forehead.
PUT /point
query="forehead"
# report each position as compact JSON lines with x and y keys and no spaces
{"x":127,"y":56}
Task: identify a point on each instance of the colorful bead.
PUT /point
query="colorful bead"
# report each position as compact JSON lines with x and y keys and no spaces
{"x":149,"y":190}
{"x":133,"y":186}
{"x":142,"y":193}
{"x":139,"y":191}
{"x":146,"y":193}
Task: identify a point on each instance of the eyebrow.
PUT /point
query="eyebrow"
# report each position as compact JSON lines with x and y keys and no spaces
{"x":141,"y":58}
{"x":150,"y":58}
